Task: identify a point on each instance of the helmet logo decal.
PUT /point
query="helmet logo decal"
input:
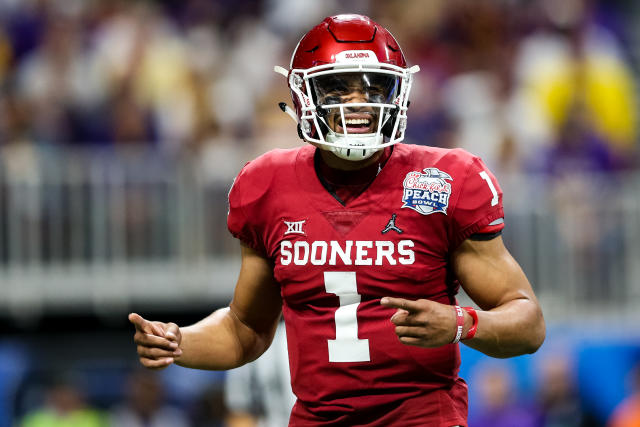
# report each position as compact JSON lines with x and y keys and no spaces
{"x":356,"y":56}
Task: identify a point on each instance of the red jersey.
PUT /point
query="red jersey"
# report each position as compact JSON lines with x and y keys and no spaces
{"x":334,"y":263}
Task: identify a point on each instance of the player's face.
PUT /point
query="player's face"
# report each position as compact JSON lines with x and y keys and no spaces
{"x":351,"y":88}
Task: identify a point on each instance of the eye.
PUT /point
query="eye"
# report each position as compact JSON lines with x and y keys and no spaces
{"x":331,"y":100}
{"x":334,"y":93}
{"x":339,"y":90}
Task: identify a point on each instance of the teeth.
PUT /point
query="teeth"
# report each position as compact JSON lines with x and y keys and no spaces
{"x":357,"y":121}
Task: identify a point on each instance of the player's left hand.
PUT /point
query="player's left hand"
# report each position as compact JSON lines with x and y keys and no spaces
{"x":423,"y":323}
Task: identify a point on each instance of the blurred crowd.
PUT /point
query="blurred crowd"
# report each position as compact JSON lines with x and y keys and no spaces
{"x":528,"y":85}
{"x":255,"y":396}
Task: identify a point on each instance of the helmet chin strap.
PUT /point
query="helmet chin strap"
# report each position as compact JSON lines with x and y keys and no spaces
{"x":368,"y":144}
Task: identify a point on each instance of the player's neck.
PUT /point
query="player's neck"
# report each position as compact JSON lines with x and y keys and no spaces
{"x":347,"y":184}
{"x":364,"y":173}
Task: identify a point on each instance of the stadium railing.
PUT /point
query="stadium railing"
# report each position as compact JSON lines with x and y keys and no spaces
{"x":94,"y":230}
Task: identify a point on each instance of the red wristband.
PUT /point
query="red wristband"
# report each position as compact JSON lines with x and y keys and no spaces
{"x":474,"y":327}
{"x":459,"y":324}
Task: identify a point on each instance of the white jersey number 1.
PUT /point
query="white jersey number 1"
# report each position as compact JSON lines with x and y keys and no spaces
{"x":346,"y":347}
{"x":494,"y":200}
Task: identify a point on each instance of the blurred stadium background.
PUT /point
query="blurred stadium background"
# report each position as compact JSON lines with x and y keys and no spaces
{"x":123,"y":123}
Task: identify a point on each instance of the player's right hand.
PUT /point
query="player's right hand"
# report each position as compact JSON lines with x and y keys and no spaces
{"x":158,"y":343}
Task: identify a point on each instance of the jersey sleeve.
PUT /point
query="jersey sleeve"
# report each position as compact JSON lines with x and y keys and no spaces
{"x":242,"y":225}
{"x":478,"y":208}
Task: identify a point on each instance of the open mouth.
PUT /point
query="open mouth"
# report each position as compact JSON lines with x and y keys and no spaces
{"x":356,"y":123}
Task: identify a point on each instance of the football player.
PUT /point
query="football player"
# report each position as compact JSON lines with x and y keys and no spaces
{"x":362,"y":243}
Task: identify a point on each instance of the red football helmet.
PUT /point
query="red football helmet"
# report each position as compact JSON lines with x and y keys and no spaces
{"x":350,"y":85}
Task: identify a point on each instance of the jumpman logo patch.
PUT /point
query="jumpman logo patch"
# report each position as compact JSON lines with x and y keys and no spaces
{"x":391,"y":225}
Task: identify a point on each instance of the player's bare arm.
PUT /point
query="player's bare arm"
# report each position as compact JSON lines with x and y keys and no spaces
{"x":511,"y":321}
{"x":229,"y":337}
